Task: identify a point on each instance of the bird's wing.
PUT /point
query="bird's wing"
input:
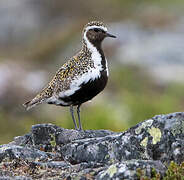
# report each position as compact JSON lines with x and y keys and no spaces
{"x":65,"y":75}
{"x":60,"y":82}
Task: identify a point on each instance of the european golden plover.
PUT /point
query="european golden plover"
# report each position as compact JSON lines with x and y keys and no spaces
{"x":82,"y":77}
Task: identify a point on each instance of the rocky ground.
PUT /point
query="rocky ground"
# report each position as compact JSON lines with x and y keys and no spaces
{"x":51,"y":152}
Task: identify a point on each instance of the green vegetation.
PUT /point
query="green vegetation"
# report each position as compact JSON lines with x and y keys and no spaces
{"x":174,"y":172}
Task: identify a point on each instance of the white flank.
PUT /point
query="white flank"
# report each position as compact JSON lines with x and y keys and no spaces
{"x":92,"y":73}
{"x":56,"y":101}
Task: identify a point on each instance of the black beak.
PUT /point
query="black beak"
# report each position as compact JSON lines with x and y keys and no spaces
{"x":110,"y":35}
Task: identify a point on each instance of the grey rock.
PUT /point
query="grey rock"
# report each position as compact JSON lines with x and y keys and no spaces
{"x":128,"y":169}
{"x":66,"y":136}
{"x":11,"y":152}
{"x":15,"y":178}
{"x":159,"y":138}
{"x":51,"y":151}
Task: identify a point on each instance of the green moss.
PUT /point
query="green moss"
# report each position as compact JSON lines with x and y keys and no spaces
{"x":174,"y":172}
{"x":53,"y":140}
{"x":141,"y":175}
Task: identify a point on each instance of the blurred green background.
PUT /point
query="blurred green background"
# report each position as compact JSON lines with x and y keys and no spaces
{"x":146,"y":61}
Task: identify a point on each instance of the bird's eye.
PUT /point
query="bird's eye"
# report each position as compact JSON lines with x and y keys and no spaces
{"x":96,"y":29}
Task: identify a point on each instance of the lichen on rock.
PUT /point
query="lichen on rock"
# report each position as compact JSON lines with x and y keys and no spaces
{"x":51,"y":151}
{"x":156,"y":134}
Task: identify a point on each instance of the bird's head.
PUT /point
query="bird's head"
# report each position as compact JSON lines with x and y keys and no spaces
{"x":95,"y":32}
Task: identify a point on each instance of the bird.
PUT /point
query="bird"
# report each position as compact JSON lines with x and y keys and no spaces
{"x":82,"y":77}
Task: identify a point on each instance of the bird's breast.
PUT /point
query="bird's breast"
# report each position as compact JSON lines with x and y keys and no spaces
{"x":86,"y":88}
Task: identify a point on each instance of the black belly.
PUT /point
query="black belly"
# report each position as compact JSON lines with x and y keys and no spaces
{"x":88,"y":90}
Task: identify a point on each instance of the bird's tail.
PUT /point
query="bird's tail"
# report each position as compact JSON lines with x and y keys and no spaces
{"x":42,"y":96}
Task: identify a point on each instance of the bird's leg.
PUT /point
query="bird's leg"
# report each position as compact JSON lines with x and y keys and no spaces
{"x":73,"y":118}
{"x":78,"y":114}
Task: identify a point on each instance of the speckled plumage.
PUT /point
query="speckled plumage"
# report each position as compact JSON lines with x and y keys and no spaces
{"x":83,"y":76}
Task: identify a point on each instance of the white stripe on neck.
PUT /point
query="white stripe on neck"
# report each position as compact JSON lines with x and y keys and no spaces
{"x":95,"y":55}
